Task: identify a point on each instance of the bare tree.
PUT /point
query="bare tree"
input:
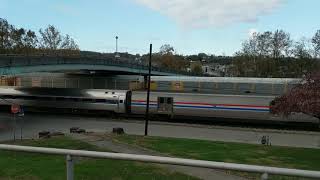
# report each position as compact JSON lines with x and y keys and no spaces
{"x":50,"y":38}
{"x":17,"y":39}
{"x":280,"y":43}
{"x":250,"y":47}
{"x":53,"y":40}
{"x":267,"y":44}
{"x":316,"y":44}
{"x":304,"y":98}
{"x":69,"y":43}
{"x":264,"y":41}
{"x":166,"y":49}
{"x":20,"y":40}
{"x":301,"y":49}
{"x":30,"y":40}
{"x":5,"y":31}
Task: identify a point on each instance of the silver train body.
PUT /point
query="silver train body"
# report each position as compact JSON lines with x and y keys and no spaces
{"x":173,"y":105}
{"x":242,"y":107}
{"x":86,"y":99}
{"x":223,"y":85}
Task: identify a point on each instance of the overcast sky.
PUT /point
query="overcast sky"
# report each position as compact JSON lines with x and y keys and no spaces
{"x":191,"y":26}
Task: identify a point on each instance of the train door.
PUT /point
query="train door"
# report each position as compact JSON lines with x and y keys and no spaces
{"x":128,"y":102}
{"x":121,"y":104}
{"x":165,"y":105}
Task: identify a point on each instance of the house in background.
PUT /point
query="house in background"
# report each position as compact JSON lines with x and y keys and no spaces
{"x":215,"y":69}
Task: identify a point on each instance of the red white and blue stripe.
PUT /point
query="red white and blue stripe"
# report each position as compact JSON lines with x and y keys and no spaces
{"x":193,"y":105}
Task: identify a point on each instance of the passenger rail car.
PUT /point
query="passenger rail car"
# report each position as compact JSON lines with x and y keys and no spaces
{"x":118,"y":101}
{"x":222,"y":85}
{"x":242,"y":107}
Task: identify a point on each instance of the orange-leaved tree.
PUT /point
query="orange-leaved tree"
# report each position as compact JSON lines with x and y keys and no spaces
{"x":303,"y":98}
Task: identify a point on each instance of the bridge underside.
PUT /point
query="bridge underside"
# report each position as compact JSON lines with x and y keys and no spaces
{"x":114,"y":70}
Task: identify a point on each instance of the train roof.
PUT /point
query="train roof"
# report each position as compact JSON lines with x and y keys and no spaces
{"x":61,"y":92}
{"x":228,"y":79}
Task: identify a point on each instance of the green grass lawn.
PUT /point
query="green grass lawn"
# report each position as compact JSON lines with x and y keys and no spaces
{"x":17,"y":165}
{"x":286,"y":157}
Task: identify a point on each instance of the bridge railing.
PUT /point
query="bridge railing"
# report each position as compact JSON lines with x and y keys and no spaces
{"x":264,"y":170}
{"x":14,"y":61}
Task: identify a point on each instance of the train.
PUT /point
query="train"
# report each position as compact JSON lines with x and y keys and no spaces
{"x":169,"y":104}
{"x":204,"y":85}
{"x":222,"y":85}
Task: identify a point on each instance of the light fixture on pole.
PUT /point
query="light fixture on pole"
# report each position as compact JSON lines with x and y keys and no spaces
{"x":117,"y":55}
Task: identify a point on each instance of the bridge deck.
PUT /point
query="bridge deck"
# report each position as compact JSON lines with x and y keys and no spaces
{"x":13,"y":65}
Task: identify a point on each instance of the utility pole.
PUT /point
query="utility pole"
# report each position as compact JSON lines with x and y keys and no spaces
{"x":148,"y":94}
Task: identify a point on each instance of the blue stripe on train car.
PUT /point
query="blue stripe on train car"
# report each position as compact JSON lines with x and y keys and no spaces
{"x":206,"y":107}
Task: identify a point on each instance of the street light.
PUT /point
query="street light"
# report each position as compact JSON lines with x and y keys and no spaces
{"x":117,"y":55}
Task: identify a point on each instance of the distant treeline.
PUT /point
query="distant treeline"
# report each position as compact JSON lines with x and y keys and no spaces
{"x":267,"y":54}
{"x":25,"y":41}
{"x":275,"y":54}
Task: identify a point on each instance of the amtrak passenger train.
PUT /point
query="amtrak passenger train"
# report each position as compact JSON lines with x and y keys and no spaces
{"x":172,"y":105}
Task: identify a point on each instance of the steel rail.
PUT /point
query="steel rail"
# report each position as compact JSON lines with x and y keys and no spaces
{"x":264,"y":170}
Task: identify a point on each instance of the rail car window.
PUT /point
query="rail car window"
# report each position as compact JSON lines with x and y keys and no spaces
{"x":60,"y":99}
{"x":75,"y":99}
{"x":44,"y":98}
{"x":86,"y":100}
{"x":28,"y":97}
{"x":67,"y":99}
{"x":161,"y":100}
{"x":165,"y":105}
{"x":278,"y":89}
{"x":264,"y":88}
{"x":105,"y":101}
{"x":20,"y":97}
{"x":112,"y":101}
{"x":121,"y":101}
{"x":8,"y":97}
{"x":100,"y":100}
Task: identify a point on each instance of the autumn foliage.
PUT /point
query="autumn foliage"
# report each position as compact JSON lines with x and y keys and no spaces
{"x":304,"y":98}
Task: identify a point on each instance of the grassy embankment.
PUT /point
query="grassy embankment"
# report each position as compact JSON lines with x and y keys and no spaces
{"x":14,"y":165}
{"x":287,"y":157}
{"x":17,"y":165}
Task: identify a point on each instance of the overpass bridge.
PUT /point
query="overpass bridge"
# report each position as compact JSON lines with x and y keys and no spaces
{"x":20,"y":64}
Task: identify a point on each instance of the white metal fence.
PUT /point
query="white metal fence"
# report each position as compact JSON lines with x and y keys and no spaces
{"x":264,"y":170}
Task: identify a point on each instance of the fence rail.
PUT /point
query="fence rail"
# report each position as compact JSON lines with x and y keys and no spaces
{"x":264,"y":170}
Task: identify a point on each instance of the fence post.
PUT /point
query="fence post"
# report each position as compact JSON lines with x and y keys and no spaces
{"x":69,"y":168}
{"x":264,"y":176}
